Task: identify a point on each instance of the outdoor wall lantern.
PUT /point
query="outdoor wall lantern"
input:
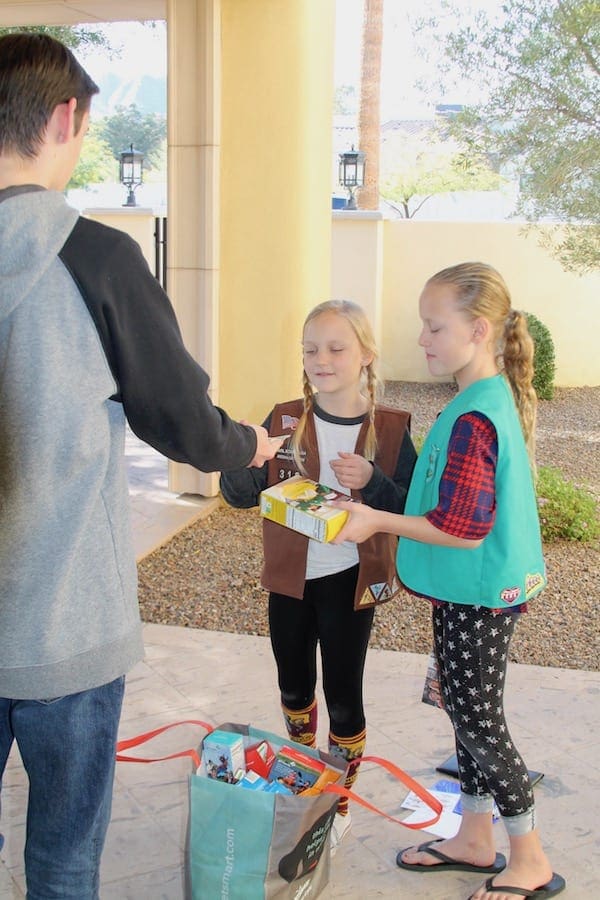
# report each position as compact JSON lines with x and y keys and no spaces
{"x":130,"y":172}
{"x":352,"y":173}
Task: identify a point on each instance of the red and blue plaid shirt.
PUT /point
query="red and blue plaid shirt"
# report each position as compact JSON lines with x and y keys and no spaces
{"x":467,"y":494}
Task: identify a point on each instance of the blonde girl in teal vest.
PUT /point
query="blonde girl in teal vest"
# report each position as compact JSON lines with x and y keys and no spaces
{"x":470,"y":544}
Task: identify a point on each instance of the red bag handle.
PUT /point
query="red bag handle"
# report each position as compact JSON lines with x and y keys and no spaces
{"x":148,"y":735}
{"x":394,"y":770}
{"x":402,"y":776}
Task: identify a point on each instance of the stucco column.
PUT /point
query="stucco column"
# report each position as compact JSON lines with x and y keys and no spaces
{"x":277,"y":100}
{"x":250,"y":106}
{"x":194,"y":78}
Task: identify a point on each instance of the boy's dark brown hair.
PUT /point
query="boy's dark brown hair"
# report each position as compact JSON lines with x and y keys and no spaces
{"x":37,"y":73}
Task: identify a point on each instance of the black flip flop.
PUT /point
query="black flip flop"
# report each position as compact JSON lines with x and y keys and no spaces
{"x":553,"y":887}
{"x":447,"y":864}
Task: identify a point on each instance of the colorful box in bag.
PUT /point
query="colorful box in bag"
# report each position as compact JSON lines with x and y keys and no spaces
{"x":256,"y":782}
{"x":259,"y":758}
{"x":275,"y":787}
{"x":296,"y":770}
{"x":222,"y":756}
{"x":253,"y":782}
{"x":327,"y":776}
{"x":301,"y":504}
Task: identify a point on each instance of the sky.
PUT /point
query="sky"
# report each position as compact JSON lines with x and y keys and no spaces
{"x":143,"y":46}
{"x":144,"y":52}
{"x":400,"y":64}
{"x":405,"y":58}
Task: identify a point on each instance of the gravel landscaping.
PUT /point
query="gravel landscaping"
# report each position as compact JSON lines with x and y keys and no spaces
{"x":207,"y":576}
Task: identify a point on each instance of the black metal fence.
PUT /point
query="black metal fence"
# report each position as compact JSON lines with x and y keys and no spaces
{"x":160,"y":250}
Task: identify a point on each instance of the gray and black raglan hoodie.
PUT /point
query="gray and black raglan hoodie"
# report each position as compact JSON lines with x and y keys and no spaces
{"x":88,"y":339}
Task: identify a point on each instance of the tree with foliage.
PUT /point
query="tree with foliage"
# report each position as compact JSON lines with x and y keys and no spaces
{"x":128,"y":125}
{"x":417,"y":167}
{"x":345,"y":100}
{"x":78,"y":37}
{"x":539,"y":63}
{"x":96,"y":161}
{"x":158,"y":173}
{"x":370,"y":101}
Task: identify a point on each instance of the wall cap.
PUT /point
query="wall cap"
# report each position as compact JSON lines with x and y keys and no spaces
{"x":118,"y":210}
{"x":357,"y":214}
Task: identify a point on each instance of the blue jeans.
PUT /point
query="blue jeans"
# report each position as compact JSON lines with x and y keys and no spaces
{"x":68,"y":749}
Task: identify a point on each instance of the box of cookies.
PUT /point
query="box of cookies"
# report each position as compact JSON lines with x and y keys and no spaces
{"x":303,"y":505}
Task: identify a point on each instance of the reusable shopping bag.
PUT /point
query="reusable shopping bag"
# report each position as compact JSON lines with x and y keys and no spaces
{"x":253,"y":845}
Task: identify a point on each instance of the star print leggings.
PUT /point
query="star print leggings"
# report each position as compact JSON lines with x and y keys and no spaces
{"x":471,"y":645}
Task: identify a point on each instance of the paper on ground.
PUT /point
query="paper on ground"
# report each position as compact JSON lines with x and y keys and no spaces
{"x":449,"y":821}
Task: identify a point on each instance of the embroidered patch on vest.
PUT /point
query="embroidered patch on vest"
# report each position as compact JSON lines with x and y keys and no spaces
{"x":434,"y":453}
{"x":533,"y":583}
{"x":375,"y":593}
{"x":366,"y":598}
{"x":509,"y":595}
{"x":286,"y":454}
{"x":289,"y":422}
{"x":379,"y":593}
{"x":378,"y":589}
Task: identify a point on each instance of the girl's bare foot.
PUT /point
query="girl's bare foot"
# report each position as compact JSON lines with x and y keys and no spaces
{"x":525,"y":878}
{"x":478,"y":854}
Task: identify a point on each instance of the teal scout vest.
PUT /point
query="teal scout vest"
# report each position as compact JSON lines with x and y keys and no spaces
{"x":508,"y":567}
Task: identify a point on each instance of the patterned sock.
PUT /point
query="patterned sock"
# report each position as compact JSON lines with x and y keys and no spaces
{"x":301,"y":724}
{"x":349,"y":748}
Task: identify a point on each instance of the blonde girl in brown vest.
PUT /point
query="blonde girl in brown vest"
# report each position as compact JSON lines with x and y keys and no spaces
{"x":322,"y":594}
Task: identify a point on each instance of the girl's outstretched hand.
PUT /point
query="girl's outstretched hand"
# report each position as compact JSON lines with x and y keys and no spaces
{"x":361,"y":522}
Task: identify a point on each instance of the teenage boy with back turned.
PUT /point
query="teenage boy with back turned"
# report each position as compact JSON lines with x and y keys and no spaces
{"x":88,"y":340}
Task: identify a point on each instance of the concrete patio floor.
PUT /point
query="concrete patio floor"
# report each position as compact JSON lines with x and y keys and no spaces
{"x":219,"y":677}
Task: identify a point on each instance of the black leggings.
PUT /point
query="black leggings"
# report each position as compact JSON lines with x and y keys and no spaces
{"x":471,"y":646}
{"x":325,"y":615}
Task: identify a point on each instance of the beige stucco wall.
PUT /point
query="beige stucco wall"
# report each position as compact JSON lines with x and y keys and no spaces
{"x":569,"y":305}
{"x":383,"y":265}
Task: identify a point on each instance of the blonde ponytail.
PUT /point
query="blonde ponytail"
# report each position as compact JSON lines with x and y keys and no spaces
{"x":297,"y":442}
{"x":517,"y":359}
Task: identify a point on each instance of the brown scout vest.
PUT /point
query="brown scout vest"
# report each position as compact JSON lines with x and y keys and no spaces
{"x":285,"y":551}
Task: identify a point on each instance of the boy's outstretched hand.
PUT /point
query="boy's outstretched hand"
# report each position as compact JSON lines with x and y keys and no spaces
{"x":266,"y":447}
{"x":362,"y":522}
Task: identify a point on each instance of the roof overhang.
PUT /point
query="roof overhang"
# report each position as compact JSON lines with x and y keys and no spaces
{"x":75,"y":12}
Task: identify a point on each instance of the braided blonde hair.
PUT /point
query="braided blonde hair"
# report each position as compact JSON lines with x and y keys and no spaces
{"x":481,"y":291}
{"x":356,"y":316}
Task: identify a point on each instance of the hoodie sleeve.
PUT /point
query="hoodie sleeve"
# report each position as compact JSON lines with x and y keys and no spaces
{"x":242,"y":487}
{"x":163,"y":390}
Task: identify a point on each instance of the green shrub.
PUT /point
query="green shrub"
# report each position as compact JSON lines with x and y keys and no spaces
{"x":567,"y":512}
{"x":544,"y":368}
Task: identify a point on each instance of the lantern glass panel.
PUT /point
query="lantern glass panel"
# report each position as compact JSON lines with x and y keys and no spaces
{"x":351,"y":170}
